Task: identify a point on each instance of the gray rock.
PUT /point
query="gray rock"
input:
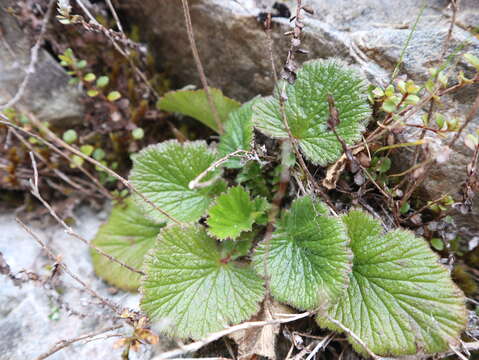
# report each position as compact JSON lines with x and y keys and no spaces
{"x":47,"y":94}
{"x":234,"y":47}
{"x":35,"y":316}
{"x":368,"y":33}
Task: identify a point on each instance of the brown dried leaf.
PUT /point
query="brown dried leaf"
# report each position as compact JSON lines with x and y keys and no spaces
{"x":260,"y":341}
{"x":335,"y":170}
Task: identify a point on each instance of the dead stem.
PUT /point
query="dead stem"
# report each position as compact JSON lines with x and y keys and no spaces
{"x":114,"y":307}
{"x":62,"y":344}
{"x":199,"y":66}
{"x":100,"y":187}
{"x":195,"y":346}
{"x":36,"y":192}
{"x":77,"y":152}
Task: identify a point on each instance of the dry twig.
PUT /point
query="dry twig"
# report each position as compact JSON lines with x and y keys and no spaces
{"x":356,"y":338}
{"x":114,"y":307}
{"x":115,"y":16}
{"x":199,"y":66}
{"x":455,"y":7}
{"x":8,"y":123}
{"x":195,"y":183}
{"x":53,"y":137}
{"x":36,"y":192}
{"x":195,"y":346}
{"x":65,"y":343}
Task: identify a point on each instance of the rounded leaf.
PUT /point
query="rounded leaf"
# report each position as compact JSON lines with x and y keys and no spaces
{"x":189,"y":286}
{"x":307,"y":109}
{"x":309,"y":257}
{"x":163,"y":172}
{"x":113,"y":96}
{"x":70,"y":136}
{"x":126,"y":236}
{"x":195,"y":103}
{"x":400,"y":300}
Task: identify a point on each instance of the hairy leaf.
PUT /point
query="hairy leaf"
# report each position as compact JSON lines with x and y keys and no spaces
{"x":307,"y":109}
{"x":188,"y":285}
{"x":195,"y":103}
{"x":238,"y":134}
{"x":126,"y":236}
{"x":400,"y":300}
{"x":233,"y":213}
{"x":309,"y":258}
{"x":163,"y":172}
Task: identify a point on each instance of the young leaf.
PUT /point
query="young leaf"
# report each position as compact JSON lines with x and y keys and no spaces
{"x":113,"y":96}
{"x":233,"y":213}
{"x":473,"y":60}
{"x":238,"y":134}
{"x":309,"y":257}
{"x":126,"y":236}
{"x":87,"y":149}
{"x":400,"y":300}
{"x":70,"y":136}
{"x":138,"y":134}
{"x":188,"y":285}
{"x":102,"y":81}
{"x":307,"y":111}
{"x":195,"y":103}
{"x":92,"y":92}
{"x":163,"y":172}
{"x":89,"y":77}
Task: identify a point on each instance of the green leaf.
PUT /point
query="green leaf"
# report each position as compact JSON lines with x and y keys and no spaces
{"x":472,"y":59}
{"x":383,"y":165}
{"x":238,"y":134}
{"x":238,"y":247}
{"x":378,"y":92}
{"x":81,"y":64}
{"x":70,"y":136}
{"x":138,"y":133}
{"x":252,"y":177}
{"x":87,"y":149}
{"x":412,"y":88}
{"x":233,"y":213}
{"x":76,"y":161}
{"x":389,"y":106}
{"x":401,"y":85}
{"x":437,"y":244}
{"x":163,"y":172}
{"x":195,"y":103}
{"x":400,"y":300}
{"x":442,"y":77}
{"x":89,"y":77}
{"x":189,"y":286}
{"x":389,"y":91}
{"x":440,"y":120}
{"x":92,"y":92}
{"x":113,"y":96}
{"x":126,"y":236}
{"x":309,"y":257}
{"x":412,"y":100}
{"x":99,"y":154}
{"x":405,"y":208}
{"x":307,"y":110}
{"x":471,"y":141}
{"x":102,"y":81}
